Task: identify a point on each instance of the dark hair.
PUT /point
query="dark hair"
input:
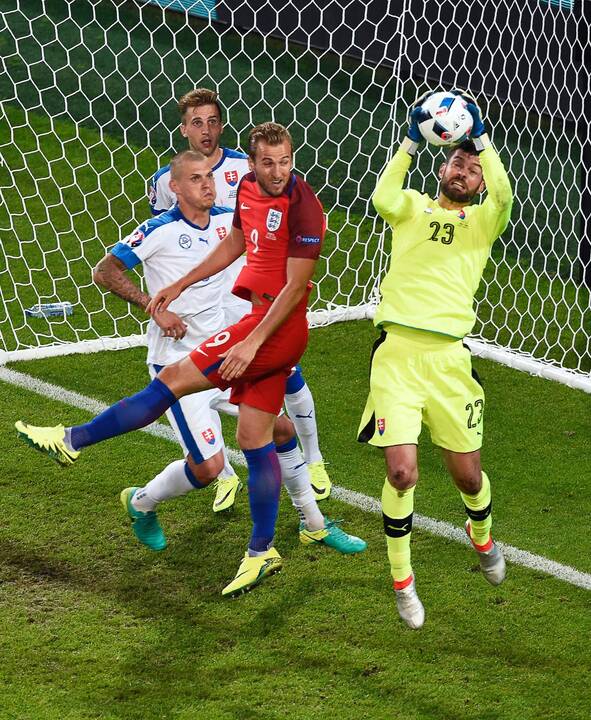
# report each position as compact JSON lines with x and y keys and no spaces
{"x":269,"y":132}
{"x":467,"y":146}
{"x":198,"y":98}
{"x":179,"y":159}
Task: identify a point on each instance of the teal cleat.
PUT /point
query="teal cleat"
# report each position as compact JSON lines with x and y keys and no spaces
{"x":145,"y":525}
{"x":333,"y":537}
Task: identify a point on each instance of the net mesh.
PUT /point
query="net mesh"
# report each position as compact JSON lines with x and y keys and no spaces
{"x":89,"y":114}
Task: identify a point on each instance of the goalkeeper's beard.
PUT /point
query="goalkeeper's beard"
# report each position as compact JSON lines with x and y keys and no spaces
{"x":455,"y":195}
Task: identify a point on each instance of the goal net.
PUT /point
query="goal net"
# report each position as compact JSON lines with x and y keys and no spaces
{"x":88,"y":114}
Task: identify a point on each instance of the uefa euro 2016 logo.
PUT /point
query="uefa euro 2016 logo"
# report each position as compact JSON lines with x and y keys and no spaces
{"x":137,"y":239}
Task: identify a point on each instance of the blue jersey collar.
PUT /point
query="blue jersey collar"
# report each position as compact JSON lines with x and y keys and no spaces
{"x":178,"y":212}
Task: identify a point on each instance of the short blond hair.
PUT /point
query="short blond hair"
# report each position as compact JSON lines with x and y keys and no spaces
{"x":270,"y":133}
{"x":198,"y":98}
{"x":184,"y":156}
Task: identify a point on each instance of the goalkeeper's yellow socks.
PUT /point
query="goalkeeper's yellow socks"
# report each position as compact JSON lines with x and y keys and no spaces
{"x":397,"y":509}
{"x":478,"y":507}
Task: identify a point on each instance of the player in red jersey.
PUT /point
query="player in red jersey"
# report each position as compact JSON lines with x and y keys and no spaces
{"x":280,"y":223}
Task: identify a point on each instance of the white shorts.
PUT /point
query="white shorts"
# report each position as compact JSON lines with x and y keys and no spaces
{"x":195,"y":423}
{"x":235,"y":309}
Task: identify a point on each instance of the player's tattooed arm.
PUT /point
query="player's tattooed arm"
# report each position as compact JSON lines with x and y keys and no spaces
{"x":110,"y":274}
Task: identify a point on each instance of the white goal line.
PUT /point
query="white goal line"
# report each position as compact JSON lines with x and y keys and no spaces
{"x":321,"y":318}
{"x":364,"y":502}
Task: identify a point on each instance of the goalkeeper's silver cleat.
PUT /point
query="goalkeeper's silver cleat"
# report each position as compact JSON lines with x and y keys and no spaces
{"x":410,"y":608}
{"x":492,"y":562}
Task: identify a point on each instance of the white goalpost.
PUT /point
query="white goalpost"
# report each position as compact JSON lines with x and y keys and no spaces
{"x":88,"y":114}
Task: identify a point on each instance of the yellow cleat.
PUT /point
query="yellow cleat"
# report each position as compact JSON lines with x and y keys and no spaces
{"x":226,"y":492}
{"x":252,"y":570}
{"x":48,"y":440}
{"x":321,"y":484}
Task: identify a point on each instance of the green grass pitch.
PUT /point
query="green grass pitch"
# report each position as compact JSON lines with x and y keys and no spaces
{"x":95,"y":626}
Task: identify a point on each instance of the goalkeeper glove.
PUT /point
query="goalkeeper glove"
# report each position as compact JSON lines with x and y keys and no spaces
{"x":417,"y":115}
{"x":478,"y":128}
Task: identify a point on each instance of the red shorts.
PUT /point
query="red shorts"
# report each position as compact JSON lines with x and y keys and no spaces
{"x":262,"y":385}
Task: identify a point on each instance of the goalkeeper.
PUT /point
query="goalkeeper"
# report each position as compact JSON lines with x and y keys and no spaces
{"x":420,"y":369}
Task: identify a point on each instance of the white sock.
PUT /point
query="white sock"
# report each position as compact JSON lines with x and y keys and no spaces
{"x":68,"y":439}
{"x":227,"y":471}
{"x":171,"y":482}
{"x":301,"y":410}
{"x":295,"y":476}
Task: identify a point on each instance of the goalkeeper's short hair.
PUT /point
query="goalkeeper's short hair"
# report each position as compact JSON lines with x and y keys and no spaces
{"x":466,"y":146}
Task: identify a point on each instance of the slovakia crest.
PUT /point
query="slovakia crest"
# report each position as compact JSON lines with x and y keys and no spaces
{"x":231,"y":177}
{"x":381,"y":425}
{"x":462,"y":215}
{"x":209,"y":436}
{"x":274,"y":220}
{"x":137,"y":239}
{"x":222,"y":232}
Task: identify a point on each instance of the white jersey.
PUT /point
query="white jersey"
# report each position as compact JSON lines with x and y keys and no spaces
{"x":227,"y":174}
{"x":169,"y":246}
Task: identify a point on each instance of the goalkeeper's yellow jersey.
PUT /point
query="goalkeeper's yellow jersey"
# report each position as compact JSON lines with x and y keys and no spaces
{"x":438,"y":256}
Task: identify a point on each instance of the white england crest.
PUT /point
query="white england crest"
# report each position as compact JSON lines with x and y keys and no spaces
{"x":274,"y":220}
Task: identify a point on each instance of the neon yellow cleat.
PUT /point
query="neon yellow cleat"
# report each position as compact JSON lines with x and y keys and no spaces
{"x":252,"y":570}
{"x":48,"y":440}
{"x":319,"y":480}
{"x":226,"y":492}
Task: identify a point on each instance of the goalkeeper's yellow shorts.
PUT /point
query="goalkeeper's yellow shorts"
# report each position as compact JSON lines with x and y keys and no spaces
{"x":416,"y":377}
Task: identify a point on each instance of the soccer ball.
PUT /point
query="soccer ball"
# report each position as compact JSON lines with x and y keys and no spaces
{"x":448,"y":121}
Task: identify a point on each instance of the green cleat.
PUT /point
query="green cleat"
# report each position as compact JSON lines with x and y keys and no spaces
{"x":332,"y":536}
{"x":48,"y":440}
{"x":226,"y":489}
{"x":321,"y":484}
{"x":145,"y":525}
{"x":252,"y":570}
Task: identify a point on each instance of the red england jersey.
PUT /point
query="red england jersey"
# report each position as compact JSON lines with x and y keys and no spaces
{"x":275,"y":228}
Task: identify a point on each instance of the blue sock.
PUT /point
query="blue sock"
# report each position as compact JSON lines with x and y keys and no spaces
{"x":264,"y":486}
{"x":295,"y":382}
{"x":128,"y":414}
{"x":195,"y":482}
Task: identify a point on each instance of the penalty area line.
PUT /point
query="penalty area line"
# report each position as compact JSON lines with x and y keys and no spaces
{"x":441,"y":528}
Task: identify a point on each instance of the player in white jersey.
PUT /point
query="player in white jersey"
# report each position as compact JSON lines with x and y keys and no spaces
{"x":169,"y":246}
{"x":202,"y":125}
{"x":227,"y":172}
